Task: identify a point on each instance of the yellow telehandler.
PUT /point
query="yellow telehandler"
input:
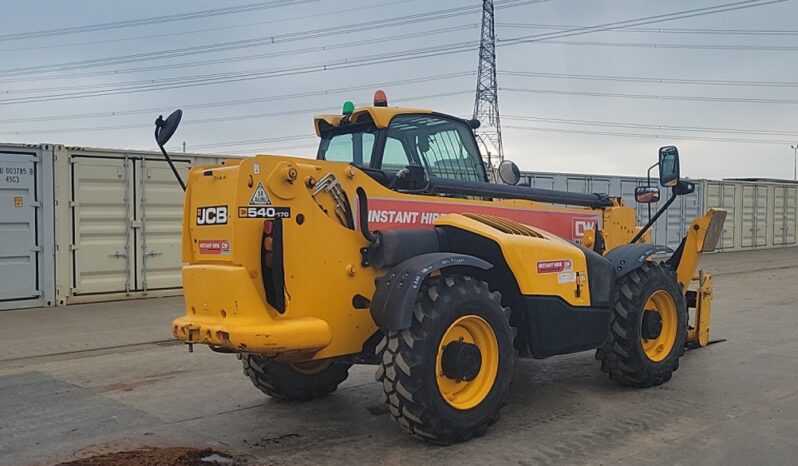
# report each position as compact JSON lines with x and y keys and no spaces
{"x":393,"y":248}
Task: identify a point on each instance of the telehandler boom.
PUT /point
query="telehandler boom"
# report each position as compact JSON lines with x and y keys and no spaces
{"x":392,"y":248}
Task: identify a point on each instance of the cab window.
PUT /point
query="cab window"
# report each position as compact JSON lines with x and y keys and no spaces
{"x":444,"y":147}
{"x":353,"y":148}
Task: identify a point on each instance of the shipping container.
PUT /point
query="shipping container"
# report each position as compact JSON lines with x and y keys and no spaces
{"x":26,"y":226}
{"x":762,"y":213}
{"x":82,"y":225}
{"x":119,"y":218}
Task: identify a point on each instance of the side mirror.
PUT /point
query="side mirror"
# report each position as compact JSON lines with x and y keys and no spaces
{"x":164,"y":129}
{"x":668,"y":166}
{"x":647,"y":194}
{"x":509,"y":172}
{"x":473,"y":124}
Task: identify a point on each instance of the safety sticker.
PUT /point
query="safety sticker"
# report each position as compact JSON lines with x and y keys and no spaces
{"x":259,"y":197}
{"x":218,"y":247}
{"x":566,"y":277}
{"x":555,"y":266}
{"x":264,"y":212}
{"x":17,"y":201}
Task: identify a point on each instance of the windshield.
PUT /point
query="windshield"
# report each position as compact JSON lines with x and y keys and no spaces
{"x":445,"y":147}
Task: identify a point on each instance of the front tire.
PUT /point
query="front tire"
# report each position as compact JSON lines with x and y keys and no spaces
{"x":447,"y":376}
{"x":295,"y":381}
{"x":648,"y":328}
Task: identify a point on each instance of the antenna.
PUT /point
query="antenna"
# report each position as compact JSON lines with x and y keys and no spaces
{"x":486,"y":104}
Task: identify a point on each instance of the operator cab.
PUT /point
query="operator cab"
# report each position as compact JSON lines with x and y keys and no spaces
{"x":401,"y":147}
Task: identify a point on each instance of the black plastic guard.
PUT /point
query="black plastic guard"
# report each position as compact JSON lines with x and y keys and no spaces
{"x":396,"y":293}
{"x":631,"y":256}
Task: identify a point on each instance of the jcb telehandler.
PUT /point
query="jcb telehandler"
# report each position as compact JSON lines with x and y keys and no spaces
{"x":393,"y":248}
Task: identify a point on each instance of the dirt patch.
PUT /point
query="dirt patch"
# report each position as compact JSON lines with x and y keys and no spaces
{"x":158,"y":457}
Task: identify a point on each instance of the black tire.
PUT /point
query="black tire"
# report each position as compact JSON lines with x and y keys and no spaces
{"x":408,"y":361}
{"x":623,"y":356}
{"x":294,"y":382}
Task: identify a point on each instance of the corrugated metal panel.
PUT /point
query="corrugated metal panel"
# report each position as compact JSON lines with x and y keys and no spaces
{"x":754,"y":215}
{"x":784,"y":215}
{"x":102,"y":215}
{"x":723,"y":195}
{"x":19,"y":235}
{"x":160,"y":209}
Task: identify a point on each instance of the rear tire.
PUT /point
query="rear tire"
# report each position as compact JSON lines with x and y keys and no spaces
{"x":294,"y":381}
{"x":628,"y":356}
{"x":451,"y":311}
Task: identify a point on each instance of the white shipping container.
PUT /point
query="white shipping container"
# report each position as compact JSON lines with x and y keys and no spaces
{"x":26,"y":226}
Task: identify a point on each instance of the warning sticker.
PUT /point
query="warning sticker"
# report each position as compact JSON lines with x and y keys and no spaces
{"x":259,"y":197}
{"x":556,"y":266}
{"x":218,"y":247}
{"x":17,"y":201}
{"x":567,"y":277}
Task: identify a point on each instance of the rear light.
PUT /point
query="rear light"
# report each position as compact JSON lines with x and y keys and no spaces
{"x":268,"y":227}
{"x":272,"y":264}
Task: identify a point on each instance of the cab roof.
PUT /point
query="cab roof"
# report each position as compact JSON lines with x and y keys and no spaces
{"x":381,"y":116}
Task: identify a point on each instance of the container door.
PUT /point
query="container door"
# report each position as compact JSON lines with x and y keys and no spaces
{"x":728,"y":202}
{"x":749,"y":216}
{"x":160,"y":214}
{"x":779,"y":215}
{"x":761,"y":216}
{"x":103,"y":221}
{"x":19,"y":236}
{"x":791,"y":208}
{"x":755,"y":211}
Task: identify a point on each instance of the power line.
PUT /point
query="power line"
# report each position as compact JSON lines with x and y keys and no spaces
{"x":293,"y":52}
{"x":747,"y":32}
{"x":257,"y":41}
{"x":188,"y":122}
{"x":653,"y":97}
{"x":382,"y":58}
{"x":615,"y":124}
{"x":196,"y":31}
{"x":649,"y":136}
{"x":696,"y":12}
{"x":153,"y":20}
{"x":429,"y":52}
{"x":770,"y":48}
{"x":593,"y":77}
{"x":249,"y":100}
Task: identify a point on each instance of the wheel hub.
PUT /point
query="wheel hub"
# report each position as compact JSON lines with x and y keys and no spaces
{"x":461,"y":361}
{"x":652,"y":325}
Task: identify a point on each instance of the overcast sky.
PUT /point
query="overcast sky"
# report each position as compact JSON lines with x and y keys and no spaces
{"x":550,"y":123}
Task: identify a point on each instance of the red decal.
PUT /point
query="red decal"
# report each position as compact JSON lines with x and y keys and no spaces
{"x":219,"y":247}
{"x":563,"y":265}
{"x":395,"y":214}
{"x":583,"y":224}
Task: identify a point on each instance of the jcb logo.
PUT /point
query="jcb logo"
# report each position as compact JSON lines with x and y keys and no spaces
{"x":216,"y":215}
{"x":581,"y":225}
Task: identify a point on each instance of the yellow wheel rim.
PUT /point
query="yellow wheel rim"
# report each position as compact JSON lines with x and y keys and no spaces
{"x":311,"y":367}
{"x":659,"y":348}
{"x":468,"y":394}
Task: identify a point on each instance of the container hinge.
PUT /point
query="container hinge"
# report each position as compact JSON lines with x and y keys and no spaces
{"x":74,"y":247}
{"x":36,"y":293}
{"x":135,"y":224}
{"x":118,"y":254}
{"x":36,"y":204}
{"x":36,"y":249}
{"x":152,"y":253}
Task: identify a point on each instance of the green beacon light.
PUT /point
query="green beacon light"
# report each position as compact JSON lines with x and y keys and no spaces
{"x":349,"y":107}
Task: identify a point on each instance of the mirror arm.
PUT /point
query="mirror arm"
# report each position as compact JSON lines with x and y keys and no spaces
{"x":158,"y":125}
{"x":653,"y":219}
